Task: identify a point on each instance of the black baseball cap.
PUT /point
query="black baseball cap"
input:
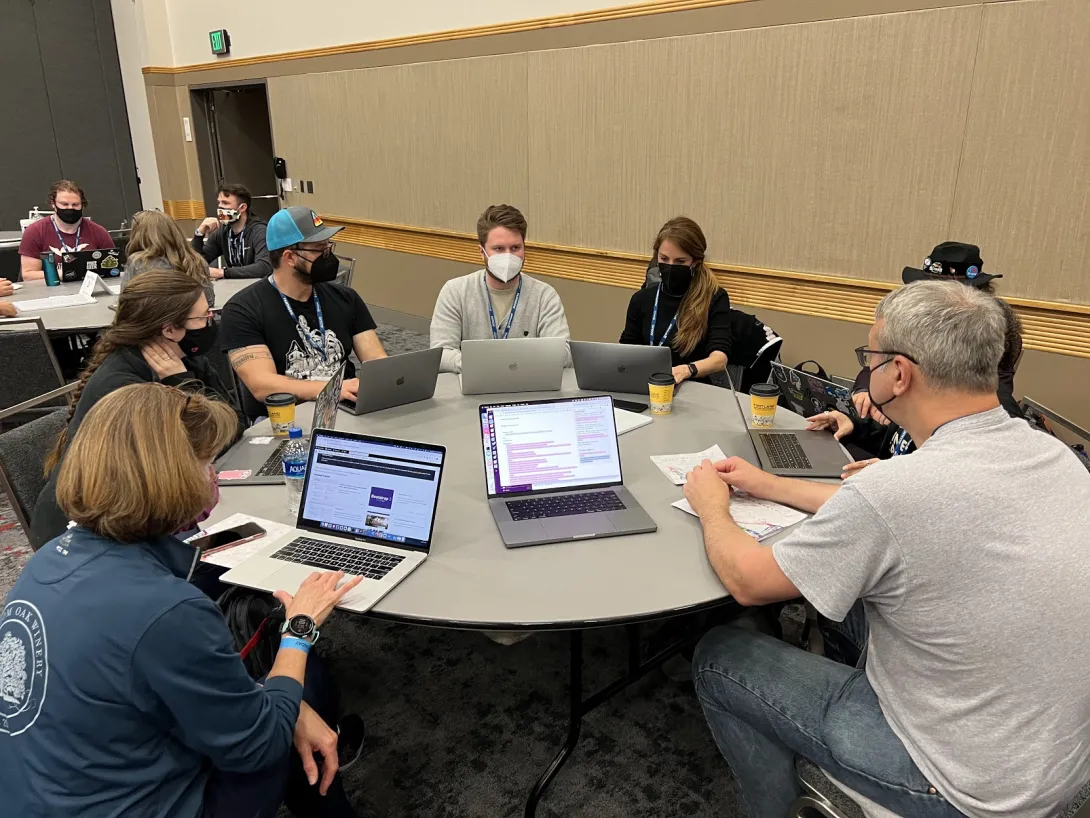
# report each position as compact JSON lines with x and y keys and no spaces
{"x":951,"y":261}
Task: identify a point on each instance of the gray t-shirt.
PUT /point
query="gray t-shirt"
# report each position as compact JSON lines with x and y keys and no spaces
{"x":972,"y":558}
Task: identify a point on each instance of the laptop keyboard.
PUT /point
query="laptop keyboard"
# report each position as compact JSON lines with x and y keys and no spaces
{"x":274,"y":466}
{"x":564,"y":505}
{"x":331,"y":556}
{"x":785,"y":452}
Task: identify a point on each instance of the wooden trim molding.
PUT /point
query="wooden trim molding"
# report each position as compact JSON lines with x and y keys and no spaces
{"x":184,"y":209}
{"x":558,"y":21}
{"x":1047,"y":326}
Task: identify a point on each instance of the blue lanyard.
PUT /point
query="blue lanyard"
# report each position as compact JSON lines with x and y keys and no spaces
{"x":64,"y":245}
{"x":321,"y":320}
{"x":492,"y":315}
{"x":655,"y":318}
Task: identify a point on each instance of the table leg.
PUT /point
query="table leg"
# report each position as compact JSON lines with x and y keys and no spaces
{"x":575,"y":721}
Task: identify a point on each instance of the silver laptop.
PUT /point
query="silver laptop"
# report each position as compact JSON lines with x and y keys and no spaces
{"x":794,"y":453}
{"x":395,"y":381}
{"x":368,"y":509}
{"x":617,"y":367}
{"x":513,"y":365}
{"x":553,"y":472}
{"x":258,"y":461}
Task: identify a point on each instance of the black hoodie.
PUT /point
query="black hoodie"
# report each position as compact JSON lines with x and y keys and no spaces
{"x":255,"y":261}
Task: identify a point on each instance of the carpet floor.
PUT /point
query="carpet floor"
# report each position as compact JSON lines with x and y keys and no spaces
{"x":461,"y":726}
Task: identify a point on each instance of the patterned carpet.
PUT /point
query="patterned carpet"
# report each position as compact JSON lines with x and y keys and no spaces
{"x":460,"y":726}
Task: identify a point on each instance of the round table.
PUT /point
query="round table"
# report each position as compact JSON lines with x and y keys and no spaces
{"x":470,"y":580}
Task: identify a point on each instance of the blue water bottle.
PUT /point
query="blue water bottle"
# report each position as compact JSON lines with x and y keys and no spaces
{"x":49,"y":267}
{"x":295,"y":467}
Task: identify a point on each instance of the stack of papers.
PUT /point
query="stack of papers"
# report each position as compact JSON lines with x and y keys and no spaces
{"x":676,"y":466}
{"x":758,"y":518}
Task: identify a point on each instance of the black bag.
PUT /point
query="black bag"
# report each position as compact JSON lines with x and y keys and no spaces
{"x":254,"y":620}
{"x":819,"y":370}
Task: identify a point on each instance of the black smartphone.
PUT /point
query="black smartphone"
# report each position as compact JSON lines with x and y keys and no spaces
{"x":237,"y":535}
{"x":629,"y":406}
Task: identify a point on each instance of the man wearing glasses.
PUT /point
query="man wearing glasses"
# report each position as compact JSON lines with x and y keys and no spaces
{"x":962,"y":572}
{"x":291,"y":331}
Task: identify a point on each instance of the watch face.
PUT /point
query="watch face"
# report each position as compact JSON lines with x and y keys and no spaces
{"x":301,"y":625}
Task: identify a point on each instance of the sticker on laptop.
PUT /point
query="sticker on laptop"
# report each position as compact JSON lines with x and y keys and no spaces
{"x":234,"y":474}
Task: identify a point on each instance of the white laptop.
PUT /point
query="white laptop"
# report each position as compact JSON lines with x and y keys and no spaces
{"x":368,"y":509}
{"x":513,"y":365}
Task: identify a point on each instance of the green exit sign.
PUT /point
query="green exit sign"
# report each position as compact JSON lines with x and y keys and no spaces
{"x":220,"y":41}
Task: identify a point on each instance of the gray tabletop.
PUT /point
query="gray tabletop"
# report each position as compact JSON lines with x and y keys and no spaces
{"x":98,"y":315}
{"x":471,"y":580}
{"x":10,"y":238}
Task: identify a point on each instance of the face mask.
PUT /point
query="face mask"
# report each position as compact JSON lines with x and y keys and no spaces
{"x":70,"y":215}
{"x":199,"y":341}
{"x":504,"y":266}
{"x":676,"y":278}
{"x":880,"y":405}
{"x":227,"y":215}
{"x":322,"y":269}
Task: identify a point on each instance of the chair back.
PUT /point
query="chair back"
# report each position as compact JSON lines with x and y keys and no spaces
{"x":27,"y":360}
{"x":756,"y":346}
{"x":345,"y":268}
{"x":22,"y":455}
{"x":1055,"y":424}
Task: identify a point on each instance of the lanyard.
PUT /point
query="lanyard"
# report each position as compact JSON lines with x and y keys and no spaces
{"x":64,"y":244}
{"x":321,"y":320}
{"x":492,"y":315}
{"x":655,"y":318}
{"x":235,"y":249}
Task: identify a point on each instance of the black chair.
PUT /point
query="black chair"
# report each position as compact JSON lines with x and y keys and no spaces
{"x":29,"y":365}
{"x":22,"y":455}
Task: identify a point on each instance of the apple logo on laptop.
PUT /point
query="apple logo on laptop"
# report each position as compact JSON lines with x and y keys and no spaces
{"x":513,"y":366}
{"x":400,"y":381}
{"x":621,"y":369}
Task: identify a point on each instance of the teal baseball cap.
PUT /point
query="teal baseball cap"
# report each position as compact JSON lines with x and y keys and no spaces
{"x":296,"y":224}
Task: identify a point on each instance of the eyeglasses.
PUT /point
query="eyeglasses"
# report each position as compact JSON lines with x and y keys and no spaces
{"x":863,"y":355}
{"x":326,"y":251}
{"x":203,"y":318}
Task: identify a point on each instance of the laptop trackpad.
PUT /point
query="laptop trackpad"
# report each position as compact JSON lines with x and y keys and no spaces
{"x":289,"y":577}
{"x":579,"y":525}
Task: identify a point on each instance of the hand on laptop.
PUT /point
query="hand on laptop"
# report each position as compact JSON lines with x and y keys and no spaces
{"x":705,"y":491}
{"x":856,"y":467}
{"x":317,"y":595}
{"x":837,"y":422}
{"x":350,"y":389}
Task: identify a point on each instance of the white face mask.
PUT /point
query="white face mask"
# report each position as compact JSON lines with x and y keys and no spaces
{"x":504,"y":266}
{"x":227,"y":215}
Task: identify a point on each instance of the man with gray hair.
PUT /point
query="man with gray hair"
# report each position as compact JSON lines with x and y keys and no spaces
{"x":969,"y":559}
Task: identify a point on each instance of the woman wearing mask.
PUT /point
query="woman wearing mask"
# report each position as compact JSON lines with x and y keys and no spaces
{"x":160,"y":333}
{"x":689,"y":311}
{"x":132,"y":699}
{"x":158,"y":243}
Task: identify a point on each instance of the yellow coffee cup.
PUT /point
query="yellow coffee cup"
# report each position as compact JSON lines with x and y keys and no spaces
{"x":661,"y":387}
{"x":763,"y":398}
{"x":281,"y":409}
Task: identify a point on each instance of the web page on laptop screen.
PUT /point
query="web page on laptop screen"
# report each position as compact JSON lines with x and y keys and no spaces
{"x":534,"y":446}
{"x":378,"y":490}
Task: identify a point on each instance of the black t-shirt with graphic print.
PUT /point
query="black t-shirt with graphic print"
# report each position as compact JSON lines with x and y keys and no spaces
{"x":257,"y":315}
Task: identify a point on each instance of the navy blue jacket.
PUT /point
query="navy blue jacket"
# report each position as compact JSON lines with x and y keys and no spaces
{"x":120,"y":689}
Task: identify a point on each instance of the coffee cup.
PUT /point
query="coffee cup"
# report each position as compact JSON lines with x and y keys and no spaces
{"x":661,"y":389}
{"x":763,"y":398}
{"x":281,"y":409}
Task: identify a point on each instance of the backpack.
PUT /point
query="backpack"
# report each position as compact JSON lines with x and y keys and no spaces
{"x":254,"y":620}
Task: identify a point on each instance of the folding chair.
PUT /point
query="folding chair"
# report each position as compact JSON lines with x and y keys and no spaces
{"x":29,"y":366}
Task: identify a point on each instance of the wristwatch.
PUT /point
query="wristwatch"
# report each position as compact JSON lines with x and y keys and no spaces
{"x":692,"y":370}
{"x":300,"y":626}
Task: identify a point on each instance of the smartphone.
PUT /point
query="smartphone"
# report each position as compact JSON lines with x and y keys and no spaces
{"x":239,"y":534}
{"x":629,"y":406}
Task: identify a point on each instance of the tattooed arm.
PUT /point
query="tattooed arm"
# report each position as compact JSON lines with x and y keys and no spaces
{"x":255,"y":367}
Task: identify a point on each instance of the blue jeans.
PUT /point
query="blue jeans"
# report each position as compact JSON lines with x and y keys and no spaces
{"x":766,"y":702}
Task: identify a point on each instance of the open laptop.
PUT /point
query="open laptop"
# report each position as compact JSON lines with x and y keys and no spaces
{"x":795,"y":453}
{"x":553,"y":472}
{"x":368,"y":509}
{"x":258,"y":461}
{"x":513,"y":365}
{"x":809,"y":395}
{"x":617,"y":367}
{"x":395,"y":381}
{"x":75,"y":265}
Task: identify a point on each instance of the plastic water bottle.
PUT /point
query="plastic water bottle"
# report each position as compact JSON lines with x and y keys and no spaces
{"x":295,"y":467}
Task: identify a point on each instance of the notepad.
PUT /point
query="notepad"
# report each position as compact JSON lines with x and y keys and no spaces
{"x":676,"y":466}
{"x":235,"y":555}
{"x":627,"y":421}
{"x":758,"y":518}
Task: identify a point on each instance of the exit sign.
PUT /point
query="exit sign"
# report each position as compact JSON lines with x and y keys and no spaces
{"x":220,"y":41}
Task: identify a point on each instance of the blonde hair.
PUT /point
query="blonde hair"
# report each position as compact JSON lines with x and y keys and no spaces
{"x":137,"y":467}
{"x":692,"y":313}
{"x":155,"y":235}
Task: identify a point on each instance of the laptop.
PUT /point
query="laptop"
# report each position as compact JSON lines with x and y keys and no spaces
{"x":794,"y":453}
{"x":395,"y":381}
{"x":513,"y":365}
{"x":809,"y":395}
{"x":368,"y":509}
{"x":553,"y":472}
{"x":258,"y":461}
{"x":75,"y":265}
{"x":617,"y":367}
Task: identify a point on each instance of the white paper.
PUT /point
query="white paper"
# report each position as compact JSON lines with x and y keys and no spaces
{"x":53,"y":302}
{"x":115,"y":289}
{"x":17,"y":286}
{"x":676,"y":466}
{"x":90,"y":281}
{"x":260,"y":441}
{"x":627,"y":421}
{"x":237,"y":554}
{"x":758,"y":518}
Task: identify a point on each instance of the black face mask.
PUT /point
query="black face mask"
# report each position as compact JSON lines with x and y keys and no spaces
{"x":676,"y":278}
{"x":199,"y":341}
{"x":70,"y":215}
{"x":322,"y":269}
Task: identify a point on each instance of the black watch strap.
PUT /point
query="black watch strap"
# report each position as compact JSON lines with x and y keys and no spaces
{"x":692,"y":370}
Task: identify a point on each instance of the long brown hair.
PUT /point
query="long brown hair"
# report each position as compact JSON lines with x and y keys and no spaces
{"x":153,"y":300}
{"x":692,"y":313}
{"x":155,"y":235}
{"x":139,"y":466}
